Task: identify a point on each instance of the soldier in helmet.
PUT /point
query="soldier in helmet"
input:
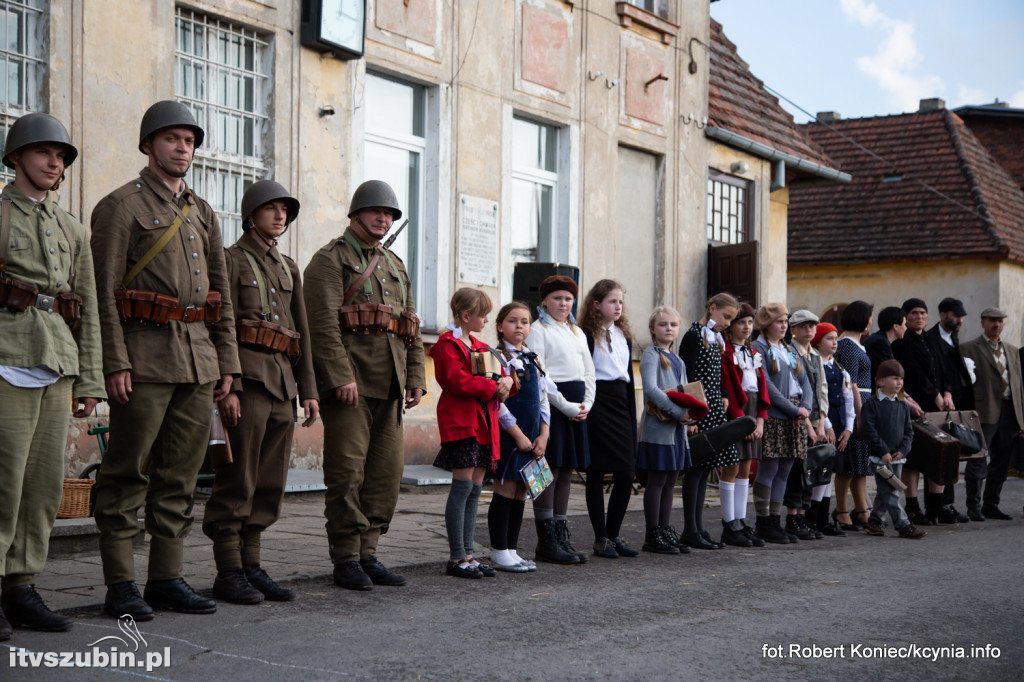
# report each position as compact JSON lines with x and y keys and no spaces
{"x":274,"y":349}
{"x":369,"y":369}
{"x":169,"y":351}
{"x":49,"y":356}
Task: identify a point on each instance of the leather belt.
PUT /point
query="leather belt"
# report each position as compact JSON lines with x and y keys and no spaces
{"x":189,"y":314}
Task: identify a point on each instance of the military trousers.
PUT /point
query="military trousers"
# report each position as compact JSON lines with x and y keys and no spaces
{"x":157,"y":443}
{"x":363,"y":461}
{"x":247,"y":493}
{"x":33,"y":437}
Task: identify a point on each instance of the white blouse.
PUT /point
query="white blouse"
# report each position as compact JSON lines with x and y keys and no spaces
{"x":748,"y":363}
{"x":565,"y":356}
{"x":611,"y":364}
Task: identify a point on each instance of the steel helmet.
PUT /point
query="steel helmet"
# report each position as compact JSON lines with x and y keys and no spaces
{"x":168,"y":114}
{"x":263,"y":192}
{"x":34,"y":129}
{"x":373,"y":193}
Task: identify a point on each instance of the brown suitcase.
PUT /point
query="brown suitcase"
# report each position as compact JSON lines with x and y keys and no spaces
{"x":968,"y":418}
{"x":934,"y":453}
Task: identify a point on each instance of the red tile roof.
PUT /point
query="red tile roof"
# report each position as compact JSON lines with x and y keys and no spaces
{"x":1002,"y":135}
{"x":738,"y":102}
{"x":974,"y":209}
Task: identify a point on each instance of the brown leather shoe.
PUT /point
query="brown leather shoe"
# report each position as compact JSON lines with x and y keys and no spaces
{"x":912,"y":532}
{"x":874,"y":527}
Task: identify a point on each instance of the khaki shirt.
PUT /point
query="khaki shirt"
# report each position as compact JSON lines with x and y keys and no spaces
{"x":374,"y":362}
{"x":39,"y":253}
{"x":124,"y":225}
{"x":283,"y":378}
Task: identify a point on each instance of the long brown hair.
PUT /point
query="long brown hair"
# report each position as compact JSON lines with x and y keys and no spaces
{"x":591,"y":321}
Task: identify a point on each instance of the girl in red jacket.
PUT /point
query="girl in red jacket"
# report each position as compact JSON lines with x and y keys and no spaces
{"x":467,"y":417}
{"x":743,"y":385}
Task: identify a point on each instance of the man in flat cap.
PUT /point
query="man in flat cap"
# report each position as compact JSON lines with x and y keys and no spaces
{"x":999,"y":399}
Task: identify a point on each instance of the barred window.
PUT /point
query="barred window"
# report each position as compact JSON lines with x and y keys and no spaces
{"x":222,"y":73}
{"x":728,"y":209}
{"x":22,"y":64}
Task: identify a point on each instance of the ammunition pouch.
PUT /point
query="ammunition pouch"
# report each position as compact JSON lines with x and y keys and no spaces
{"x":364,"y":318}
{"x":17,"y":297}
{"x":149,"y":307}
{"x":267,"y":336}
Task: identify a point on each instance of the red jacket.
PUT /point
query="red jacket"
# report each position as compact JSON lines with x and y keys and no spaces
{"x":732,"y":385}
{"x":466,"y":408}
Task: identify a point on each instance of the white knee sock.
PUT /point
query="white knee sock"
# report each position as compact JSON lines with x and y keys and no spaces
{"x":740,"y":498}
{"x":725,"y":492}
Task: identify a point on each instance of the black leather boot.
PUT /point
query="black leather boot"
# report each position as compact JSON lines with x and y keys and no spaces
{"x":938,"y":511}
{"x":914,"y":513}
{"x":770,"y":531}
{"x":549,"y":548}
{"x":351,"y":576}
{"x":232,"y":586}
{"x":656,"y":541}
{"x":562,"y":528}
{"x":825,"y":524}
{"x":795,"y":527}
{"x":176,"y":595}
{"x":732,"y":534}
{"x":672,"y":536}
{"x":380,"y":574}
{"x":749,"y":531}
{"x":259,"y":579}
{"x":125,"y":598}
{"x":24,"y":608}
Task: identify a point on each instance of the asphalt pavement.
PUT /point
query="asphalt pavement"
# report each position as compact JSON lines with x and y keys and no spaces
{"x":947,"y":607}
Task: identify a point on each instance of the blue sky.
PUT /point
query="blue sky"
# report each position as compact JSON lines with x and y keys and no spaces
{"x":865,"y":58}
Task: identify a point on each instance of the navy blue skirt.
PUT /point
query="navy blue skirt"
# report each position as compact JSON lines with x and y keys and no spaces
{"x":658,"y":457}
{"x":567,"y":443}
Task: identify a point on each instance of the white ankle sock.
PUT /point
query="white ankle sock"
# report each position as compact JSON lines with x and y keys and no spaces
{"x":726,"y":493}
{"x":503,"y":557}
{"x":739,"y":503}
{"x":515,"y":555}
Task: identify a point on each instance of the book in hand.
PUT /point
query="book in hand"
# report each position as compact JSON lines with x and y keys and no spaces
{"x":537,"y":475}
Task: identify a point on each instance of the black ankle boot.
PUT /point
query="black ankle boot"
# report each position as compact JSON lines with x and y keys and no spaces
{"x":259,"y":579}
{"x":748,"y":530}
{"x":657,"y":542}
{"x":794,"y":527}
{"x":124,"y":598}
{"x":914,"y":513}
{"x":732,"y":534}
{"x":24,"y":608}
{"x":768,"y":532}
{"x":825,"y":524}
{"x":233,"y":587}
{"x":549,"y":548}
{"x":5,"y":627}
{"x":562,"y":528}
{"x":176,"y":595}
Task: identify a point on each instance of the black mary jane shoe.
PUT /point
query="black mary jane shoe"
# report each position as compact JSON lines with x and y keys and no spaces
{"x":848,"y":527}
{"x":463,"y":569}
{"x":697,"y":542}
{"x":485,"y":570}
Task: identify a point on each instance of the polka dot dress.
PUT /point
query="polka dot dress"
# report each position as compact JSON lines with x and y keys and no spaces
{"x":709,"y":373}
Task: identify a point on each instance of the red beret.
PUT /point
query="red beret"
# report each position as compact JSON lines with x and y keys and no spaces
{"x":823,"y":328}
{"x":697,"y":409}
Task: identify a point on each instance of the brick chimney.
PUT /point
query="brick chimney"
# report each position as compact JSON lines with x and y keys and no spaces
{"x":828,"y":116}
{"x":933,"y":104}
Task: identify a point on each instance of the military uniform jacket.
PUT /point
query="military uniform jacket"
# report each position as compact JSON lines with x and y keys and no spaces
{"x":373,"y":361}
{"x":276,"y":371}
{"x":40,"y":254}
{"x":124,"y":225}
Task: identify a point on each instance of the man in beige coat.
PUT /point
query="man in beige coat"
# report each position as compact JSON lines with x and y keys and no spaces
{"x":999,"y":399}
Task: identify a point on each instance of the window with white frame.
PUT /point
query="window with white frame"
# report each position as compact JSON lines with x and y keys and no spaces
{"x":728,"y":220}
{"x":394,"y":146}
{"x":659,"y":7}
{"x":222,"y":73}
{"x":22,"y":64}
{"x":534,"y":189}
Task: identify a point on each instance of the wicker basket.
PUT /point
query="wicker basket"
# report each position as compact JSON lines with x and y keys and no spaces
{"x":75,"y":502}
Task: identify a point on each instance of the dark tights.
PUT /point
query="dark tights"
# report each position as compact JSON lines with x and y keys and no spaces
{"x":618,"y":502}
{"x":658,"y":498}
{"x":504,"y":519}
{"x":556,"y":495}
{"x":695,"y":487}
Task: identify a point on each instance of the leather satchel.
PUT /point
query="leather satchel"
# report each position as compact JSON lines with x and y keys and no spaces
{"x":820,"y":464}
{"x":971,"y":442}
{"x":968,"y":418}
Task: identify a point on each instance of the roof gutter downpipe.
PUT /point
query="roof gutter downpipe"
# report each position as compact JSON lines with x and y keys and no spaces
{"x":780,"y":176}
{"x":772,"y":154}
